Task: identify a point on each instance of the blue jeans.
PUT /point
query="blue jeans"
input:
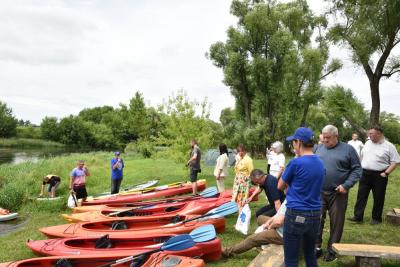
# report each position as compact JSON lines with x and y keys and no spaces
{"x":300,"y":229}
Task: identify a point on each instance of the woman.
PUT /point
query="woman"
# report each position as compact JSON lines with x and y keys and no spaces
{"x":221,"y":168}
{"x":277,"y":160}
{"x":303,"y":175}
{"x":53,"y":181}
{"x":241,"y":184}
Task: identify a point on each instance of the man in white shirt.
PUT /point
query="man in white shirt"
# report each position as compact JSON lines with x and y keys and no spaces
{"x":378,"y":159}
{"x":357,"y":144}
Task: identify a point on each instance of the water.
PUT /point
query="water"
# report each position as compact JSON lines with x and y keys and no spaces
{"x":19,"y":155}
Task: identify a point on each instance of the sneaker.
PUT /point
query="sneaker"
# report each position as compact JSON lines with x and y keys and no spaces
{"x":375,"y":222}
{"x":354,"y":220}
{"x":318,"y":252}
{"x":329,"y":256}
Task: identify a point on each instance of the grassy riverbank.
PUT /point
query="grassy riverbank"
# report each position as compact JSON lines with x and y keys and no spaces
{"x":27,"y":143}
{"x":20,"y":183}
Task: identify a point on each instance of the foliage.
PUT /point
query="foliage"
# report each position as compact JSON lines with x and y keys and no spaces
{"x":272,"y":68}
{"x":29,"y":131}
{"x":27,"y":143}
{"x":391,"y":127}
{"x":371,"y":30}
{"x":8,"y":123}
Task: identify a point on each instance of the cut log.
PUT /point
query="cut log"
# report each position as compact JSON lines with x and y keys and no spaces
{"x":270,"y":256}
{"x":393,"y":217}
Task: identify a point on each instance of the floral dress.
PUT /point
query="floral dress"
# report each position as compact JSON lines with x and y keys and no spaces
{"x":241,"y":184}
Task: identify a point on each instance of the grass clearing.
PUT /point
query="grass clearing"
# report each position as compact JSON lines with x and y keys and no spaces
{"x":25,"y":179}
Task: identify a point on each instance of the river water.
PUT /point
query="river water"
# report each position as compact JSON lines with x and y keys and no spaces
{"x":18,"y":155}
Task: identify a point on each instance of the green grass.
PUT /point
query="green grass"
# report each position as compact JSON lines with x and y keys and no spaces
{"x":28,"y":143}
{"x":19,"y":183}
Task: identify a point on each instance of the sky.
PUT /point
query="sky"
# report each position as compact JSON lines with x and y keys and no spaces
{"x":59,"y":57}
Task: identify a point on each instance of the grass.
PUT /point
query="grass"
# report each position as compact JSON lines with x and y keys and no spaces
{"x":27,"y":143}
{"x":19,"y":183}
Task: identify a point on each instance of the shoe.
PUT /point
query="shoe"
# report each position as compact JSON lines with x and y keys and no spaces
{"x":375,"y":222}
{"x":318,"y":252}
{"x":224,"y":253}
{"x":354,"y":220}
{"x":329,"y":256}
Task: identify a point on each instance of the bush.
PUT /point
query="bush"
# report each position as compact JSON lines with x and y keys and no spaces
{"x":143,"y":147}
{"x":12,"y":196}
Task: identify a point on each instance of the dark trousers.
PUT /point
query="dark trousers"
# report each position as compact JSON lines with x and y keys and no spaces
{"x":300,"y":229}
{"x":335,"y":204}
{"x":267,"y":210}
{"x":115,"y":184}
{"x":371,"y":180}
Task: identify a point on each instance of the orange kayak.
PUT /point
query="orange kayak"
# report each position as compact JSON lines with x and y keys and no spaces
{"x":155,"y":260}
{"x":139,"y":196}
{"x":121,"y":247}
{"x":146,"y":227}
{"x":199,"y":206}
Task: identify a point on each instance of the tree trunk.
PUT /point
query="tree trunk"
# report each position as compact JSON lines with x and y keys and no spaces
{"x":305,"y":112}
{"x":376,"y":103}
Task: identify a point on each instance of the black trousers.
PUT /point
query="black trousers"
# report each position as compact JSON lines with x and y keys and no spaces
{"x":371,"y":180}
{"x":115,"y":184}
{"x":267,"y":210}
{"x":335,"y":204}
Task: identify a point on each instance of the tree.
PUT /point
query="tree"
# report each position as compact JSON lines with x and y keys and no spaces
{"x":371,"y":31}
{"x":271,"y":66}
{"x":50,"y":129}
{"x":8,"y":123}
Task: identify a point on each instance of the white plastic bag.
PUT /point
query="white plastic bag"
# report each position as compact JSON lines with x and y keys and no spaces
{"x":72,"y":201}
{"x":243,"y":221}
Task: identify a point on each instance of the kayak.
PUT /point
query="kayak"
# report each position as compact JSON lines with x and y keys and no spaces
{"x":146,"y":227}
{"x":199,"y":206}
{"x":136,"y":187}
{"x":159,"y":259}
{"x":121,"y":247}
{"x":123,"y":206}
{"x":9,"y":216}
{"x":182,"y":188}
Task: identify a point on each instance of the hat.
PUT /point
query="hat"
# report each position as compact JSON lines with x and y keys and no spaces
{"x":303,"y":134}
{"x":117,"y":153}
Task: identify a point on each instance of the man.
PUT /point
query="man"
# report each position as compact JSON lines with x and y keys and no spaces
{"x":117,"y":167}
{"x":53,"y":181}
{"x":194,"y":164}
{"x":357,"y":144}
{"x":269,"y":184}
{"x":77,"y":182}
{"x":272,"y":234}
{"x":343,"y":170}
{"x":378,"y":159}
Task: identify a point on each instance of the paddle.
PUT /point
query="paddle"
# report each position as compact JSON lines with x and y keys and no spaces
{"x":207,"y":193}
{"x":175,"y":243}
{"x":203,"y":233}
{"x":221,"y":211}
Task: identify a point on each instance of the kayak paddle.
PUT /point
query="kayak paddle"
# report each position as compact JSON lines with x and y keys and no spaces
{"x":203,"y":233}
{"x":175,"y":243}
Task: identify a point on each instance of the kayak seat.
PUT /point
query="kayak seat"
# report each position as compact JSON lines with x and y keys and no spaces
{"x":169,"y":209}
{"x":103,"y":242}
{"x":119,"y":225}
{"x":63,"y":263}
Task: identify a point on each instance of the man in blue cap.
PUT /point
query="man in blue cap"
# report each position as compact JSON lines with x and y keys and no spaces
{"x":117,"y":166}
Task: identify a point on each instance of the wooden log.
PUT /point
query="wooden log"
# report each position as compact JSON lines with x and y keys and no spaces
{"x":393,"y":218}
{"x":270,"y":256}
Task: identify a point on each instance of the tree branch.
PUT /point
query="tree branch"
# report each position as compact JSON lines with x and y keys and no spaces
{"x":390,"y":73}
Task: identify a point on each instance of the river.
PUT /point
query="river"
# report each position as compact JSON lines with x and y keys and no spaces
{"x":19,"y":155}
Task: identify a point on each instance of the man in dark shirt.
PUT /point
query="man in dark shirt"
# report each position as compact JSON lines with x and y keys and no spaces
{"x":269,"y":184}
{"x":194,"y":164}
{"x":343,"y":170}
{"x":53,"y":181}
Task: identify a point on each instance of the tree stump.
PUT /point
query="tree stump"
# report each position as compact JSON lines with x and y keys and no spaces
{"x":368,"y":262}
{"x":270,"y":256}
{"x":393,"y":218}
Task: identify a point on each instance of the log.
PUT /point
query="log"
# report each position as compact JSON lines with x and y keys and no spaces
{"x":270,"y":256}
{"x":393,"y":217}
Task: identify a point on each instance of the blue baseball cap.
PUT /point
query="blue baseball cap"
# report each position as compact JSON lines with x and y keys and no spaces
{"x":117,"y":153}
{"x":303,"y":134}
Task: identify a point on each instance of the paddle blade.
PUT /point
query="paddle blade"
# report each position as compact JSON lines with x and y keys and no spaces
{"x":204,"y":233}
{"x":225,"y":209}
{"x":179,"y":242}
{"x":209,"y":192}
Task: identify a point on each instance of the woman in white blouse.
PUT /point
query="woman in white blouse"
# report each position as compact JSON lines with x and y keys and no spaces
{"x":277,"y":160}
{"x":221,"y":168}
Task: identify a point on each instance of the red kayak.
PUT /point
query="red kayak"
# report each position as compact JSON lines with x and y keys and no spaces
{"x":138,"y":196}
{"x":155,"y":260}
{"x":120,"y":247}
{"x":199,"y":206}
{"x":146,"y":227}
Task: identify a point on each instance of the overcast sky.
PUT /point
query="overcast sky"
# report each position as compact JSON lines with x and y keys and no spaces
{"x":59,"y":57}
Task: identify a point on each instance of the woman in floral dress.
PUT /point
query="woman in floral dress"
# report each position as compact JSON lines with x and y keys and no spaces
{"x":241,"y":184}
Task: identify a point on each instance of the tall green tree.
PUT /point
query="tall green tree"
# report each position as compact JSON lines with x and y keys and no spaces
{"x":50,"y":129}
{"x":271,"y":66}
{"x":8,"y":123}
{"x":370,"y":29}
